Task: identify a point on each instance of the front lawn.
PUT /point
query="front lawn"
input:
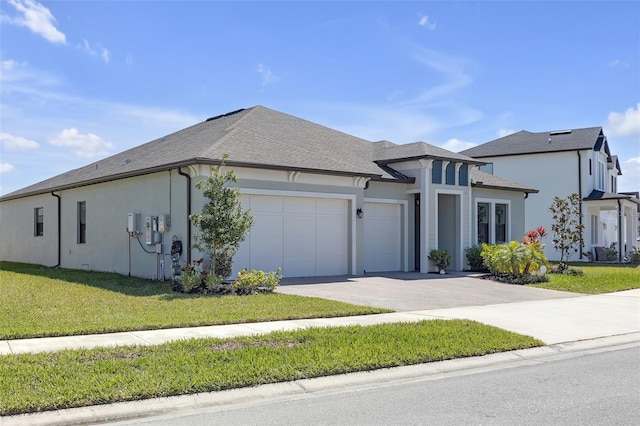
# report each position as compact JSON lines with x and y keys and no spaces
{"x":597,"y":279}
{"x":37,"y":302}
{"x":73,"y":378}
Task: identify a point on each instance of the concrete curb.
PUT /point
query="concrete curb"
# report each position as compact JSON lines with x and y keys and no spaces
{"x":307,"y":387}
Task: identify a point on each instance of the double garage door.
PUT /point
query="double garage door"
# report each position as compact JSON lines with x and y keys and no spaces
{"x":302,"y":236}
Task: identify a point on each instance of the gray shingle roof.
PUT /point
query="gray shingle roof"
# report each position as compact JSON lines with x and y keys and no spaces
{"x":487,"y":180}
{"x":524,"y":142}
{"x":255,"y":137}
{"x":388,"y":152}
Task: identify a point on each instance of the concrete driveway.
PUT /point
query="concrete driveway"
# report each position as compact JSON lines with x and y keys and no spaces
{"x":412,"y":291}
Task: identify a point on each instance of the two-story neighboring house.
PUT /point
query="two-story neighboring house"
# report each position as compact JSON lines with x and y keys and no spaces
{"x":560,"y":163}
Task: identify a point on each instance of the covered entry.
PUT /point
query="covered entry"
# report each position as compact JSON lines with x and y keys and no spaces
{"x":303,"y":236}
{"x":450,"y":227}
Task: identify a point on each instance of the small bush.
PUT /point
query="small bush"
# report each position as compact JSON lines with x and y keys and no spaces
{"x":474,"y":258}
{"x":634,"y":255}
{"x":256,"y":281}
{"x":441,"y":258}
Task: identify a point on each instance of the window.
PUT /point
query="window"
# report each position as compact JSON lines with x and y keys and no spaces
{"x":590,"y":168}
{"x":613,"y":184}
{"x":492,"y":222}
{"x":602,"y":169}
{"x":483,"y":222}
{"x":436,"y":172}
{"x":450,"y":174}
{"x":38,"y":222}
{"x":463,"y":175}
{"x":500,"y":223}
{"x":82,"y":222}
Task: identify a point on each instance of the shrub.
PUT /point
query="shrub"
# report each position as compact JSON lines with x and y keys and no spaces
{"x":514,"y":259}
{"x":441,"y":258}
{"x":634,"y":255}
{"x":256,"y":281}
{"x":611,"y":252}
{"x":474,"y":258}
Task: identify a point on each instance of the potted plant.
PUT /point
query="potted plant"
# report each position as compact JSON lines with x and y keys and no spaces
{"x":441,"y":258}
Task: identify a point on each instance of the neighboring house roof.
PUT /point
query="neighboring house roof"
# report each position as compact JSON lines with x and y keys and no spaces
{"x":524,"y":142}
{"x":254,"y":137}
{"x":482,"y":179}
{"x":601,"y":195}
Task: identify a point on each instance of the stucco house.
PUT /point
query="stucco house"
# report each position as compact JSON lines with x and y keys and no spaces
{"x":324,"y":202}
{"x":560,"y":163}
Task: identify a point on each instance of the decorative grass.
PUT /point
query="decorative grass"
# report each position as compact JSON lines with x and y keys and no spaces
{"x":37,"y":302}
{"x":596,"y":279}
{"x":73,"y":378}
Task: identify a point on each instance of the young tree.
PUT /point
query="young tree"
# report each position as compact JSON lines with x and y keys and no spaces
{"x":567,"y":229}
{"x":222,"y":222}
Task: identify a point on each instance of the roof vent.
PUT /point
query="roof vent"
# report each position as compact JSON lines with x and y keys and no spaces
{"x":225,"y":115}
{"x":560,"y":132}
{"x":126,"y":161}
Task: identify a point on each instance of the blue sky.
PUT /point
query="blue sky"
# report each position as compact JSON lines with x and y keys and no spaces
{"x":84,"y":80}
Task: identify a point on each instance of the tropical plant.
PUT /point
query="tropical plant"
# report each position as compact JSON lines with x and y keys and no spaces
{"x":256,"y":281}
{"x":441,"y":258}
{"x":222,"y":222}
{"x":567,"y":227}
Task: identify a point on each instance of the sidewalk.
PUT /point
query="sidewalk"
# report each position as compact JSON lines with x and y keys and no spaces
{"x":552,"y":321}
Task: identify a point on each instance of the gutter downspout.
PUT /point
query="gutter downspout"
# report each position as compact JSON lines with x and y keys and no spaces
{"x":59,"y":230}
{"x":188,"y":248}
{"x":580,"y":202}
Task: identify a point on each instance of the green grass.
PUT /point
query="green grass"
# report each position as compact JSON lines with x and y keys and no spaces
{"x":37,"y":302}
{"x":73,"y":378}
{"x":597,"y":279}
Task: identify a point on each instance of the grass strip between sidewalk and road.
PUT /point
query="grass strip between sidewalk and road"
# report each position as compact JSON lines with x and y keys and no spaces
{"x":596,"y":279}
{"x":74,"y":378}
{"x":40,"y":302}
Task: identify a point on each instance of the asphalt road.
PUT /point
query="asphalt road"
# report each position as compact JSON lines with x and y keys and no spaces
{"x":595,"y":388}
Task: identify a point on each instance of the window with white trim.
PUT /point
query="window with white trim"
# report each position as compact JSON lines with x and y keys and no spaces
{"x":602,"y":173}
{"x":492,"y":222}
{"x":38,"y":221}
{"x":82,"y":222}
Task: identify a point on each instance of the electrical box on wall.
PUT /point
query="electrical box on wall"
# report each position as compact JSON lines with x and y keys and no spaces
{"x":133,"y":222}
{"x":164,"y":223}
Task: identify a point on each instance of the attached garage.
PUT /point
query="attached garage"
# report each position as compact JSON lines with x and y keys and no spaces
{"x":382,"y":237}
{"x":304,"y":236}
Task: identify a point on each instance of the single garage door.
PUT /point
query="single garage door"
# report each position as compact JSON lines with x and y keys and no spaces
{"x":382,"y":237}
{"x":304,"y":236}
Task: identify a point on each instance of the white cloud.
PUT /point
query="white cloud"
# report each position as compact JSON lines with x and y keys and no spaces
{"x":624,"y":124}
{"x":424,"y":22}
{"x":84,"y":145}
{"x":630,"y":175}
{"x":505,"y":132}
{"x":10,"y":142}
{"x":103,"y":52}
{"x":6,"y":168}
{"x":618,"y":63}
{"x":457,"y":145}
{"x":37,"y":18}
{"x":267,"y":76}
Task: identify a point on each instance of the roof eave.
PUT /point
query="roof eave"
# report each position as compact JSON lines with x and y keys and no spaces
{"x":505,"y":188}
{"x":433,"y":157}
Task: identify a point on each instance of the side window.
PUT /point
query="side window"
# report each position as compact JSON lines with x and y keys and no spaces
{"x":38,"y":222}
{"x":436,"y":172}
{"x":483,"y":222}
{"x":501,"y":223}
{"x":450,"y":173}
{"x":82,"y":222}
{"x":463,"y":175}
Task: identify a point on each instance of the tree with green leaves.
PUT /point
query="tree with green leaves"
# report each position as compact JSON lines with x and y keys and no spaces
{"x":567,"y":227}
{"x":222,"y":222}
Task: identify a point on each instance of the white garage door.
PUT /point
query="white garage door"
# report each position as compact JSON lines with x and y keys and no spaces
{"x":382,"y":237}
{"x":304,"y":236}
